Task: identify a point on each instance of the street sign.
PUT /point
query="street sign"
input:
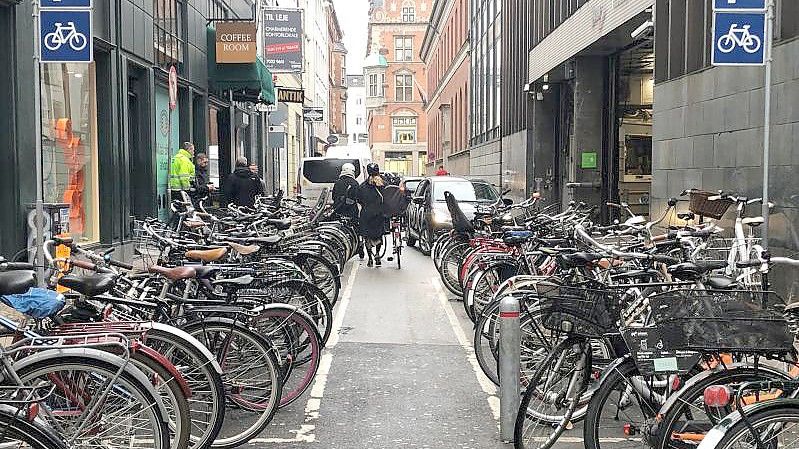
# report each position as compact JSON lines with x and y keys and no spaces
{"x":263,"y":107}
{"x":173,"y":88}
{"x":64,"y":4}
{"x":66,"y":36}
{"x":289,"y":95}
{"x":738,"y":5}
{"x":739,"y":38}
{"x":313,"y":114}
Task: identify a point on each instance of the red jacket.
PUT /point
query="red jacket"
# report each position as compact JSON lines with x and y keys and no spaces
{"x":442,"y":172}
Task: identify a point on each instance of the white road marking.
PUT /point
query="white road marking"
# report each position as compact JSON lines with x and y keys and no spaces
{"x":486,"y":385}
{"x":305,"y":434}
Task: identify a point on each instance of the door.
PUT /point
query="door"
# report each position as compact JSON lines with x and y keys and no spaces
{"x":167,"y":142}
{"x":140,"y":155}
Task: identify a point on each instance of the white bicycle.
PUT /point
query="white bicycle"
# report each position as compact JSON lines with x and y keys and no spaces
{"x":739,"y":37}
{"x":63,"y":35}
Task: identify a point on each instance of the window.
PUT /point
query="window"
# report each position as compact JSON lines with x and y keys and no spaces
{"x":404,"y":87}
{"x":403,"y":48}
{"x":359,"y":120}
{"x":69,"y":145}
{"x":408,"y":14}
{"x":168,"y":32}
{"x":373,"y":87}
{"x":404,"y":130}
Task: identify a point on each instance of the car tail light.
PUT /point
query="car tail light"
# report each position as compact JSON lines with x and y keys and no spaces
{"x":717,"y":396}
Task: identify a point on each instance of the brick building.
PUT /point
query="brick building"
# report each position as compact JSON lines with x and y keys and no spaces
{"x":446,"y":53}
{"x":396,"y":85}
{"x":338,"y":75}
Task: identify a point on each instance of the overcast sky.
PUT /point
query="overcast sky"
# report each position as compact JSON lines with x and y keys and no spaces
{"x":353,"y":16}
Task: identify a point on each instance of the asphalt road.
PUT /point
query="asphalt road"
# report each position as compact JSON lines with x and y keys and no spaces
{"x":398,"y":372}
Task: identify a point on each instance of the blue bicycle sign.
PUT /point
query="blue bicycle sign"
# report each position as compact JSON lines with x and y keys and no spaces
{"x":750,"y":5}
{"x":66,"y":35}
{"x":739,"y":38}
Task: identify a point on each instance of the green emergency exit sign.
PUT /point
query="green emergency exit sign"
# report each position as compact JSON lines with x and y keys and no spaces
{"x":588,"y":160}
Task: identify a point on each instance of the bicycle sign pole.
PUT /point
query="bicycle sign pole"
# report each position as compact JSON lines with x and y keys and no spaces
{"x":742,"y":36}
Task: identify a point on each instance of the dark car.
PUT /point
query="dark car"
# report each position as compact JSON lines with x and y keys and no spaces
{"x":428,"y":213}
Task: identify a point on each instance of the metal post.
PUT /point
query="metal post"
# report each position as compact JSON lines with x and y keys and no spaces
{"x":509,"y":365}
{"x":37,"y":100}
{"x":769,"y":35}
{"x":234,"y":151}
{"x":266,"y":152}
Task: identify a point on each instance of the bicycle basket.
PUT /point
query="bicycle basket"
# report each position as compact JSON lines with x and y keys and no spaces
{"x":459,"y":221}
{"x":700,"y":205}
{"x":722,"y":320}
{"x":652,"y":356}
{"x":587,"y":310}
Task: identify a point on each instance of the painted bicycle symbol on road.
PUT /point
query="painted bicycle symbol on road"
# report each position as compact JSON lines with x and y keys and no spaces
{"x":739,"y":37}
{"x":63,"y":35}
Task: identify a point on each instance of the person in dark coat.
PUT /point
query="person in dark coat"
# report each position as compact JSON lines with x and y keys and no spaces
{"x":242,"y":185}
{"x":371,"y":225}
{"x":345,"y":193}
{"x":202,"y":179}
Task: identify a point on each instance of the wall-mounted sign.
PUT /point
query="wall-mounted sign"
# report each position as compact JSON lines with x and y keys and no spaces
{"x":588,"y":160}
{"x":66,"y":35}
{"x":287,"y":95}
{"x":313,"y":114}
{"x":739,"y":38}
{"x":236,"y":42}
{"x":282,"y":30}
{"x":65,"y":4}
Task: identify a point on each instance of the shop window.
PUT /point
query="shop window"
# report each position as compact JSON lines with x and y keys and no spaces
{"x":404,"y":87}
{"x":637,"y":157}
{"x":69,"y":145}
{"x":168,"y":29}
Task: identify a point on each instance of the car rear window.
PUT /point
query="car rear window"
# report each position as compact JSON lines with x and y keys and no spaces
{"x":464,"y":191}
{"x":412,"y":185}
{"x":319,"y":171}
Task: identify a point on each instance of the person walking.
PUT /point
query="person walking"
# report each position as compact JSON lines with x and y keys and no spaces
{"x":371,"y":225}
{"x":242,"y":186}
{"x":442,"y":171}
{"x":254,"y":170}
{"x":181,"y":172}
{"x":202,"y":178}
{"x":345,"y":198}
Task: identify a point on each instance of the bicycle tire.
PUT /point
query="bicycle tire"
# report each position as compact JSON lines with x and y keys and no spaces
{"x":452,"y":257}
{"x":34,"y":434}
{"x":126,"y":384}
{"x":322,"y":273}
{"x":768,"y":418}
{"x":264,"y":403}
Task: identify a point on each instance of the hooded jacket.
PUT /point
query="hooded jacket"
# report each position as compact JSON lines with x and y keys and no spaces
{"x":242,"y":187}
{"x":181,"y":173}
{"x":345,"y":196}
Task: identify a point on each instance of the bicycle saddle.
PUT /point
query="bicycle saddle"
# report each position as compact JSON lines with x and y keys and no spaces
{"x":517,"y":237}
{"x":693,"y":270}
{"x":207,"y":255}
{"x":268,"y":240}
{"x":194,"y":224}
{"x":753,"y":221}
{"x":244,"y":250}
{"x":205,"y":271}
{"x":89,"y":285}
{"x":174,"y":274}
{"x":16,"y":282}
{"x":241,"y":280}
{"x":579,"y":259}
{"x":280,"y":224}
{"x":721,"y":282}
{"x":553,"y":242}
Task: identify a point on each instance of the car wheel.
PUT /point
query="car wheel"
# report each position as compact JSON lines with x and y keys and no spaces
{"x":425,"y":240}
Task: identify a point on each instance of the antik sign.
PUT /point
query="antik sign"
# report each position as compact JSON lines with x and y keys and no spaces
{"x":236,"y":42}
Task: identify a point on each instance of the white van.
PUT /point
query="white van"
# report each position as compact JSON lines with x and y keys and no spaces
{"x":317,"y":173}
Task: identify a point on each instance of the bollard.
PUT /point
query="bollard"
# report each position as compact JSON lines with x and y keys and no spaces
{"x":509,"y":366}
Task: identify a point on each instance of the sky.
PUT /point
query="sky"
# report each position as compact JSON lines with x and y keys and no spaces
{"x":353,"y":17}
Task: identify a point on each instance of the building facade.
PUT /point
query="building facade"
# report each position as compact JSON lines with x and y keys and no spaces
{"x":356,"y":110}
{"x":485,"y":145}
{"x":396,"y":85}
{"x":446,"y":51}
{"x":338,"y":75}
{"x":107,"y":133}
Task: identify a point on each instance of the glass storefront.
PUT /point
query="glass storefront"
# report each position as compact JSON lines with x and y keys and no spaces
{"x":69,"y":145}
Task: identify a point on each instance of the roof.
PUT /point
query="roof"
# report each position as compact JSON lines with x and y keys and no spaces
{"x":375,"y":60}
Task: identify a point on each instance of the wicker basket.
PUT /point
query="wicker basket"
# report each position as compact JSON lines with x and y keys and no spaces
{"x":700,"y":205}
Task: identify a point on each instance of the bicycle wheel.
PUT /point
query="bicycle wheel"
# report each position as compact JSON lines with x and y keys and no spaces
{"x":322,"y":274}
{"x":295,"y":337}
{"x":126,"y":414}
{"x":689,"y":408}
{"x":553,"y":395}
{"x":199,"y":370}
{"x":450,"y":265}
{"x":251,"y":377}
{"x":18,"y":432}
{"x":775,"y":427}
{"x":309,"y":298}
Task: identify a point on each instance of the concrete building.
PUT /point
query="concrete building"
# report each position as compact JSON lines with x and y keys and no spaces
{"x":485,"y":145}
{"x":107,"y":137}
{"x":396,"y":85}
{"x":446,"y":53}
{"x":338,"y":75}
{"x":356,"y":110}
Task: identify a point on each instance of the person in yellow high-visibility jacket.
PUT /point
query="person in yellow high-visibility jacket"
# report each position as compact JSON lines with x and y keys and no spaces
{"x":181,"y":173}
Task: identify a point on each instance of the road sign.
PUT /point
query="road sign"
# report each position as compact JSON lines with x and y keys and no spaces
{"x":66,"y":36}
{"x":173,"y":88}
{"x":737,"y":5}
{"x":313,"y":114}
{"x":65,"y":4}
{"x":739,"y":38}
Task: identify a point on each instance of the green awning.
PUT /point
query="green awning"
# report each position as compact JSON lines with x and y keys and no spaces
{"x":249,"y":82}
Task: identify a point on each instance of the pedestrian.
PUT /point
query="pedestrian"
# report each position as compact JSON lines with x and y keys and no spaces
{"x":442,"y":171}
{"x":202,"y":178}
{"x":181,"y":172}
{"x":242,"y":186}
{"x":254,"y":170}
{"x":371,"y":223}
{"x":345,"y":198}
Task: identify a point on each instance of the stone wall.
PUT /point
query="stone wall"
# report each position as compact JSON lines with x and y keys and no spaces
{"x":484,"y":162}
